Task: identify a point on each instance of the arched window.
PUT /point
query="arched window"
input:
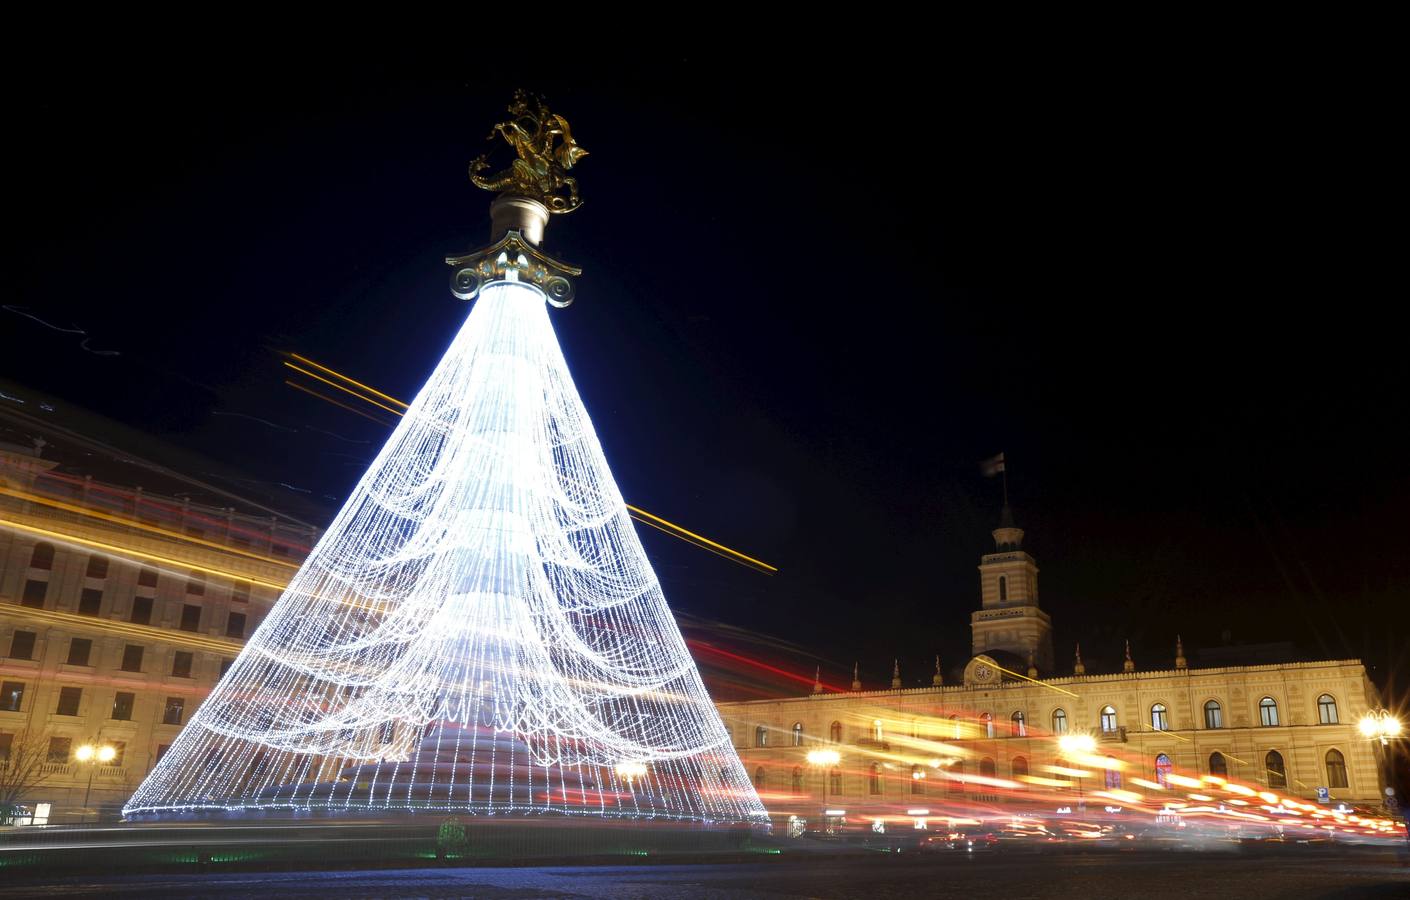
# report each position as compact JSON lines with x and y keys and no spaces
{"x":1112,"y":774}
{"x":1018,"y":728}
{"x":1162,"y":770}
{"x":761,"y":736}
{"x":1213,"y":715}
{"x":1108,"y":720}
{"x":797,"y":734}
{"x":1003,"y":589}
{"x":196,"y":584}
{"x":1336,"y":769}
{"x":986,"y":767}
{"x":1020,"y":767}
{"x":956,"y":728}
{"x":1277,"y":774}
{"x":1326,"y":710}
{"x":988,"y":720}
{"x":834,"y":732}
{"x":42,"y":557}
{"x":1218,"y":765}
{"x":97,"y":567}
{"x":1059,"y":721}
{"x":876,"y":729}
{"x":759,"y":779}
{"x":1268,"y":711}
{"x":874,"y":779}
{"x":836,"y":779}
{"x":957,"y":777}
{"x":1160,"y":721}
{"x":797,"y":781}
{"x":917,"y":781}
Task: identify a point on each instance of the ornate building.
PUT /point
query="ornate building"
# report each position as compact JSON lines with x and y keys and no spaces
{"x":1289,"y":727}
{"x":119,"y":610}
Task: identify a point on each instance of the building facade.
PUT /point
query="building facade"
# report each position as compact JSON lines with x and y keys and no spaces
{"x":1289,"y":728}
{"x":119,"y":611}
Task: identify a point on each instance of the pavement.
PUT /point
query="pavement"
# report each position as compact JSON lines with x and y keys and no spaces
{"x":1377,"y":874}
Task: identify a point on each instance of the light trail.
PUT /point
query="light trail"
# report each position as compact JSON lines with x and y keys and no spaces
{"x":636,"y":512}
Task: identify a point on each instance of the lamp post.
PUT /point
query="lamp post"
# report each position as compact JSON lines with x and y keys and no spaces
{"x":92,"y":756}
{"x":1075,"y":745}
{"x":1381,"y":725}
{"x":824,"y":760}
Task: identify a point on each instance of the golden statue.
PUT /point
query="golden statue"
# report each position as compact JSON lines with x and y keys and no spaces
{"x":546,"y":151}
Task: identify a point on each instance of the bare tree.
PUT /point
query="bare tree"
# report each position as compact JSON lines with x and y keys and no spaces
{"x":22,"y":759}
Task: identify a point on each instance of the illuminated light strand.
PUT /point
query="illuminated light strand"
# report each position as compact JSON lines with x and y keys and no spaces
{"x":312,"y":393}
{"x":479,"y":629}
{"x":641,"y":515}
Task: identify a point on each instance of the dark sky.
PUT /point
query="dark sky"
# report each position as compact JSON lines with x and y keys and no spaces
{"x":816,"y":294}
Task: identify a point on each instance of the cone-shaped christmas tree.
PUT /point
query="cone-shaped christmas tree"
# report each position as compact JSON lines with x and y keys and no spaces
{"x":479,"y":629}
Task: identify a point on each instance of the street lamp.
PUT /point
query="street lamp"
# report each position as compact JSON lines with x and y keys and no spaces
{"x":825,"y":760}
{"x":1380,"y":724}
{"x":1077,"y":744}
{"x":92,"y":757}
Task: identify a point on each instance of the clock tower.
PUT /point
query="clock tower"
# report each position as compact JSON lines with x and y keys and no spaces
{"x":1009,"y":618}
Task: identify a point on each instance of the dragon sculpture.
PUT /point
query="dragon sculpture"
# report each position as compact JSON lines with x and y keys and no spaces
{"x":546,"y":151}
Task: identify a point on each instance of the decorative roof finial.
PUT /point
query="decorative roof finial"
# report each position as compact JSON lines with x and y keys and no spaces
{"x":1032,"y":664}
{"x":1077,"y":667}
{"x":1180,"y":661}
{"x":856,"y":678}
{"x":895,"y":674}
{"x":937,"y":679}
{"x":817,"y":680}
{"x":1129,"y":665}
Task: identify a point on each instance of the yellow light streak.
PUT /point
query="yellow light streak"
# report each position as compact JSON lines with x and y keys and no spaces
{"x":1070,"y":773}
{"x":1050,"y":687}
{"x":357,"y":412}
{"x":1044,"y":782}
{"x":77,"y":621}
{"x":636,"y":512}
{"x":140,"y":525}
{"x":1183,"y":781}
{"x":1148,"y":784}
{"x":140,"y":554}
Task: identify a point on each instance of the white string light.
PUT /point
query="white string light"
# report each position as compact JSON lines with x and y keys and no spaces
{"x":479,"y":629}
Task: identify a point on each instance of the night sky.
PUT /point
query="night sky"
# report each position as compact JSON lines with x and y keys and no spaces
{"x":815,"y":296}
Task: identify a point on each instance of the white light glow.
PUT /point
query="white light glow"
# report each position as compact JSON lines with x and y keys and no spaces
{"x":479,"y":629}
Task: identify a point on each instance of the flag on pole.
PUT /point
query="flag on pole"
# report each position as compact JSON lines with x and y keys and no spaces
{"x":993,"y":466}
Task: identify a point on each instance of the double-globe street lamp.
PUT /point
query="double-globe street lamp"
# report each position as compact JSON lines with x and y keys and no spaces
{"x":1072,"y":747}
{"x":824,"y":760}
{"x":93,"y":756}
{"x":1381,"y":725}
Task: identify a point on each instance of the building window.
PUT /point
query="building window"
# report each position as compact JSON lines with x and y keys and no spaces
{"x":1017,"y":727}
{"x":190,"y":617}
{"x":235,"y":626}
{"x":1277,"y":774}
{"x":97,"y":567}
{"x":241,"y":592}
{"x":161,"y":751}
{"x":79,"y":651}
{"x":917,"y":781}
{"x":68,"y":701}
{"x":34,"y":592}
{"x":834,"y":732}
{"x":141,"y":610}
{"x":1213,"y":715}
{"x":59,"y":749}
{"x":147,"y":578}
{"x":175,"y":709}
{"x":836,"y":779}
{"x":1020,"y":767}
{"x":1059,"y":722}
{"x":22,"y":645}
{"x":1268,"y":711}
{"x":874,"y":779}
{"x":89,"y":602}
{"x":1160,"y":721}
{"x":1003,"y":589}
{"x":6,"y":742}
{"x":988,"y":720}
{"x":42,"y":557}
{"x":122,"y":707}
{"x":1108,"y":720}
{"x":876,"y":730}
{"x":1336,"y":769}
{"x":181,"y":664}
{"x":759,"y":779}
{"x":196,"y":584}
{"x":1162,"y":770}
{"x":797,"y":734}
{"x":11,"y":695}
{"x":132,"y":658}
{"x":225,"y":665}
{"x":761,"y":736}
{"x":797,"y":781}
{"x":1218,"y":765}
{"x":957,"y":777}
{"x":987,"y":768}
{"x":1112,"y":774}
{"x":1326,"y":710}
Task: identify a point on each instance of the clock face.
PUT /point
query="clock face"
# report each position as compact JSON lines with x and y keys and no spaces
{"x":982,"y":673}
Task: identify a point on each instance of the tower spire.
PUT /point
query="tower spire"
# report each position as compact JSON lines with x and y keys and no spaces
{"x":856,"y":677}
{"x":937,"y":679}
{"x":817,"y":680}
{"x":1129,"y":665}
{"x":895,"y":674}
{"x":1077,"y":667}
{"x":1180,"y":661}
{"x":1032,"y":664}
